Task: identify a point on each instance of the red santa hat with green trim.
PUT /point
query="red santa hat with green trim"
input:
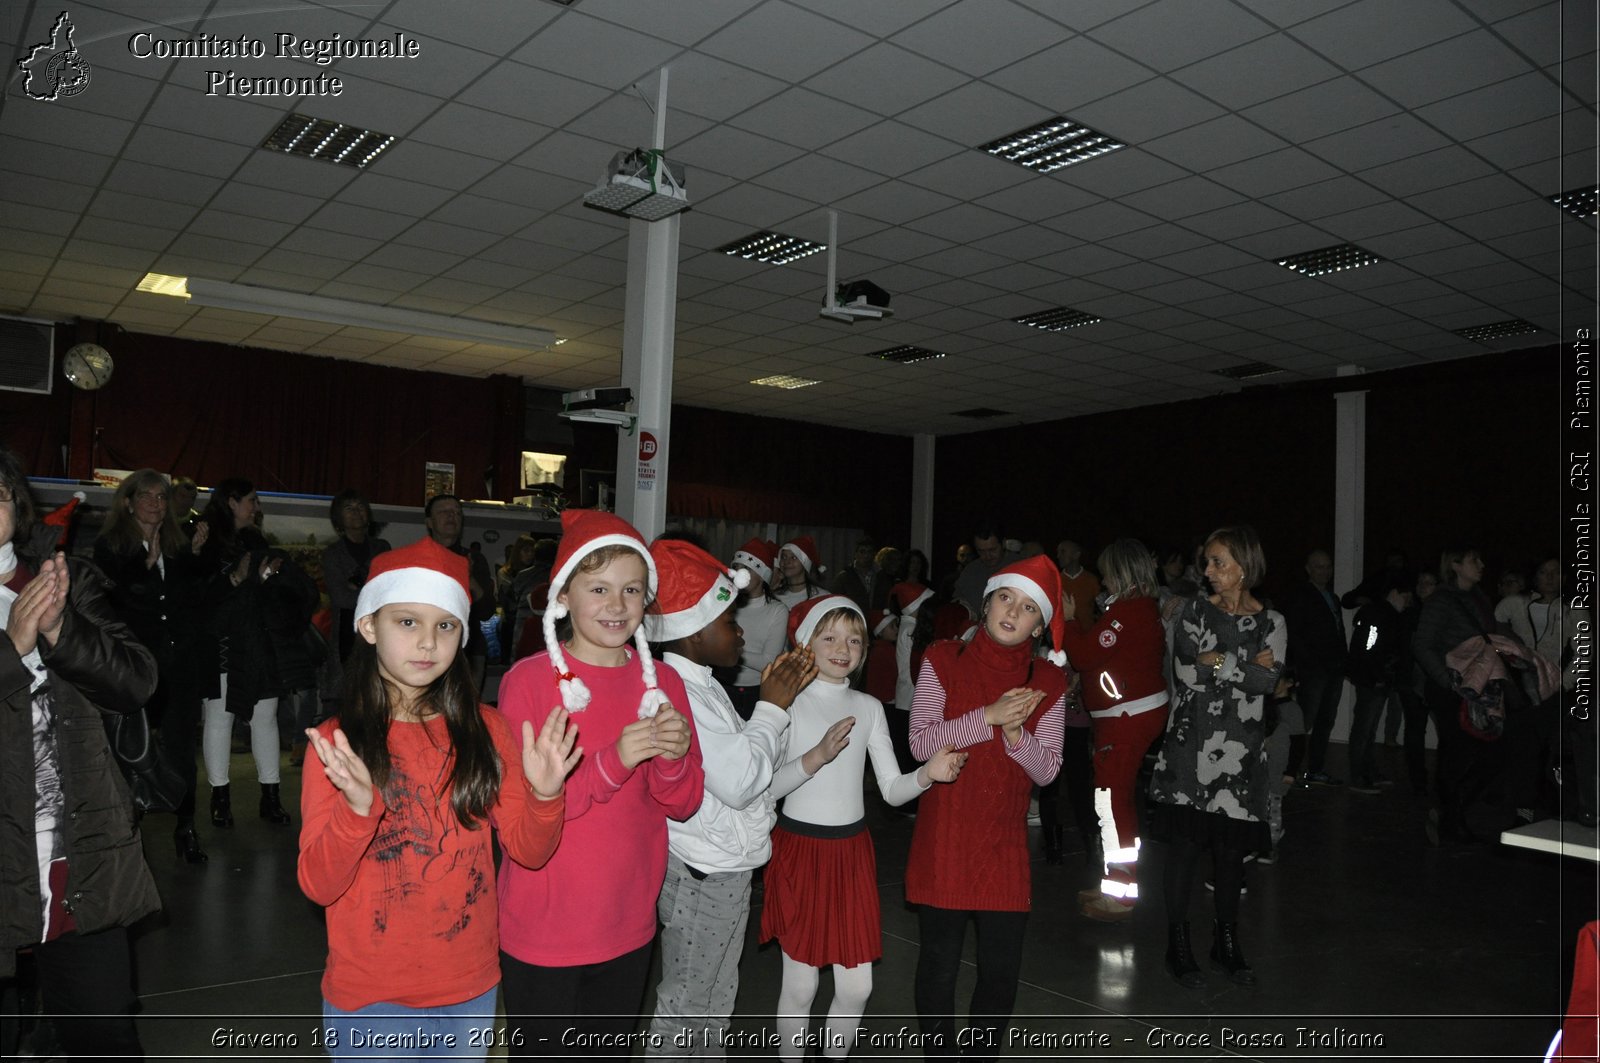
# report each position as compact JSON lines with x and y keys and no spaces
{"x":695,"y":590}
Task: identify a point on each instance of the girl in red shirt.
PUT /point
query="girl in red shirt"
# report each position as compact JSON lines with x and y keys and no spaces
{"x":395,"y":842}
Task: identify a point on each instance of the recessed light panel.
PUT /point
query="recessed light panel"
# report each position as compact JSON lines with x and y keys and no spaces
{"x":788,"y":383}
{"x":163,"y":284}
{"x":979,"y":413}
{"x":1056,"y":320}
{"x":1247,"y":370}
{"x":322,"y":138}
{"x":1329,"y":260}
{"x":1579,"y":202}
{"x":775,"y":248}
{"x":1496,"y":330}
{"x":1052,"y":144}
{"x":906,"y":355}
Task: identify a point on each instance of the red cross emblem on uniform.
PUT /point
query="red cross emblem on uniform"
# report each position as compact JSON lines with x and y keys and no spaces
{"x":1108,"y":638}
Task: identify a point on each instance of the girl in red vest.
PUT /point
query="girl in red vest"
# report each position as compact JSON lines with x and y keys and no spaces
{"x":995,"y":701}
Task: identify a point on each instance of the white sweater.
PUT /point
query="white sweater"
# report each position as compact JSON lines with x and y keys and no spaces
{"x":833,"y":797}
{"x":765,"y":624}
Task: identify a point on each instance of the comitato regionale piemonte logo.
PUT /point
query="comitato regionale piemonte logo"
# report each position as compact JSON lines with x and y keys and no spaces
{"x":55,"y":68}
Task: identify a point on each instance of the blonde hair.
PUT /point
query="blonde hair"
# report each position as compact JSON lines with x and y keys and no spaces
{"x":854,"y":623}
{"x":1128,"y":566}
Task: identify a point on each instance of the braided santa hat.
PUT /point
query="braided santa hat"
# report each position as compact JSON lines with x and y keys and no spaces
{"x":583,"y":531}
{"x":695,"y":589}
{"x":1040,"y":580}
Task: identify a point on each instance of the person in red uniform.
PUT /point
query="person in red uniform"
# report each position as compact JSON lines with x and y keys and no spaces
{"x":1125,"y":692}
{"x":994,"y":700}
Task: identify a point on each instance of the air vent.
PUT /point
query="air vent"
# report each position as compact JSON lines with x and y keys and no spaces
{"x":1247,"y":370}
{"x":1329,"y":260}
{"x":906,"y":355}
{"x":979,"y":413}
{"x":775,"y":248}
{"x":1051,"y":145}
{"x":1497,"y":330}
{"x":1057,"y":320}
{"x":1579,"y":202}
{"x":325,"y":139}
{"x":26,"y":355}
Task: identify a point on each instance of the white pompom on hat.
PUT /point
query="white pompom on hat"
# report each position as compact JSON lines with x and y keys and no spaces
{"x":695,"y":590}
{"x":583,"y":531}
{"x":423,"y":572}
{"x":804,"y":618}
{"x":1040,"y":580}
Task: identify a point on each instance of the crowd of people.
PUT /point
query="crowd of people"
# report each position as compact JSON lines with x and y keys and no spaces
{"x":674,"y":727}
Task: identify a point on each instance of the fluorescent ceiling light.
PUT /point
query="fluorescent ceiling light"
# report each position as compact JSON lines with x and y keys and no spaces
{"x":1579,"y":202}
{"x":1496,"y":330}
{"x":1052,"y":144}
{"x":772,"y":247}
{"x":1329,"y":260}
{"x":275,"y":303}
{"x":163,"y":284}
{"x":907,"y":355}
{"x":1056,"y":320}
{"x":789,"y":383}
{"x":325,"y":139}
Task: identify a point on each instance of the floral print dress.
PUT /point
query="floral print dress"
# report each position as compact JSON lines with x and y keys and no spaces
{"x":1213,"y":759}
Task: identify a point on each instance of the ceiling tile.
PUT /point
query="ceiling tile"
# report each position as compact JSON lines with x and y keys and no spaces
{"x":1147,"y":111}
{"x":592,"y":50}
{"x":1278,"y":65}
{"x":885,"y":79}
{"x":1068,"y":75}
{"x":1322,"y":109}
{"x":893,"y":149}
{"x":1346,"y":36}
{"x":1170,"y":34}
{"x":980,"y":38}
{"x":804,"y":119}
{"x":1470,"y":61}
{"x":1489,"y":110}
{"x":810,"y":42}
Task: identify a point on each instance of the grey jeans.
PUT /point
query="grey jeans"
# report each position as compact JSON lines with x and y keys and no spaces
{"x":702,"y":936}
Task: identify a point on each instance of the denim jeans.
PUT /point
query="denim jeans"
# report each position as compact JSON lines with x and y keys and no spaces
{"x":393,"y":1031}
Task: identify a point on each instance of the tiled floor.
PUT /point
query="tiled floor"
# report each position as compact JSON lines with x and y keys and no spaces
{"x":1359,"y":930}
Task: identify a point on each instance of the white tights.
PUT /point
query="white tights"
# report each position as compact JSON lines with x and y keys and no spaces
{"x":851,"y":988}
{"x":216,"y":740}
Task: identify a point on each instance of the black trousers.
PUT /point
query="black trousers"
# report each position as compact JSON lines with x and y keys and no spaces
{"x":86,"y":988}
{"x":573,"y":1012}
{"x":1077,"y":778}
{"x":1000,"y":937}
{"x":1319,"y":698}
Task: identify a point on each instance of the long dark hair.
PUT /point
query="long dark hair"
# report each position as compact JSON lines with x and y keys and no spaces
{"x":474,"y":768}
{"x":218,"y":515}
{"x":23,"y":509}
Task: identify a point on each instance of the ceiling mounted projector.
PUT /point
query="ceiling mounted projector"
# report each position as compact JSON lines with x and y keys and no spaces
{"x":640,"y":184}
{"x":599,"y":406}
{"x":854,"y":300}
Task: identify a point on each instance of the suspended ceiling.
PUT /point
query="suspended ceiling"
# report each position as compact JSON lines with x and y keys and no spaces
{"x":1429,"y":132}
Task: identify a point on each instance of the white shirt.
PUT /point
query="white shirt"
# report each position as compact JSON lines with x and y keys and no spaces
{"x":833,"y":797}
{"x":765,"y":624}
{"x":730,"y":831}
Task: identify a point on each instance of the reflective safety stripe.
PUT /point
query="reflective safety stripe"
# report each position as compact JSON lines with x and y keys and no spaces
{"x":1132,"y":708}
{"x":1109,"y":841}
{"x":1124,"y":891}
{"x":1109,"y":685}
{"x":1129,"y":855}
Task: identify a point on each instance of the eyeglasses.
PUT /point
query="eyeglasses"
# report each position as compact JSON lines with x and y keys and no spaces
{"x":151,"y":496}
{"x":6,"y":493}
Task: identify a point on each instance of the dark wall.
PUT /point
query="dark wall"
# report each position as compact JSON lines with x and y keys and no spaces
{"x":1455,"y":449}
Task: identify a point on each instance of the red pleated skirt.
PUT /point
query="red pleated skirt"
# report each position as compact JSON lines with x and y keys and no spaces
{"x":822,"y":899}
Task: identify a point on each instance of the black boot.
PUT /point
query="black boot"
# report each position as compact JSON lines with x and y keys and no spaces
{"x":1226,"y":954}
{"x":221,"y":807}
{"x":271,"y":808}
{"x":187,"y":841}
{"x":1052,"y":844}
{"x":1180,"y":957}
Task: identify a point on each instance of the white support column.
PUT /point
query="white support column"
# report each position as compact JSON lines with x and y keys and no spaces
{"x":922,"y":493}
{"x":651,"y":313}
{"x":1349,"y":508}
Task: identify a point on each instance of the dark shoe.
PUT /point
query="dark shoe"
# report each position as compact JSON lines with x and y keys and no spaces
{"x":1180,"y":957}
{"x":1052,"y":844}
{"x":188,"y":845}
{"x":1226,"y":954}
{"x":1322,"y":778}
{"x":271,"y":808}
{"x":221,"y":807}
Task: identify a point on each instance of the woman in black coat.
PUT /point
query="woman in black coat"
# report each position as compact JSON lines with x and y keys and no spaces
{"x":153,"y":579}
{"x":64,"y":661}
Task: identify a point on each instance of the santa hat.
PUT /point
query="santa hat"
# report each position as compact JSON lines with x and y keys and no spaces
{"x":909,"y":597}
{"x":423,"y":572}
{"x":804,"y":618}
{"x":695,"y":590}
{"x":805,"y":548}
{"x":759,"y":556}
{"x":583,"y":531}
{"x":1040,"y":580}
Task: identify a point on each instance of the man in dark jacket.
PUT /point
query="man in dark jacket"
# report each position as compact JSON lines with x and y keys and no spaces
{"x":1317,"y":650}
{"x":64,"y":660}
{"x":1379,"y":640}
